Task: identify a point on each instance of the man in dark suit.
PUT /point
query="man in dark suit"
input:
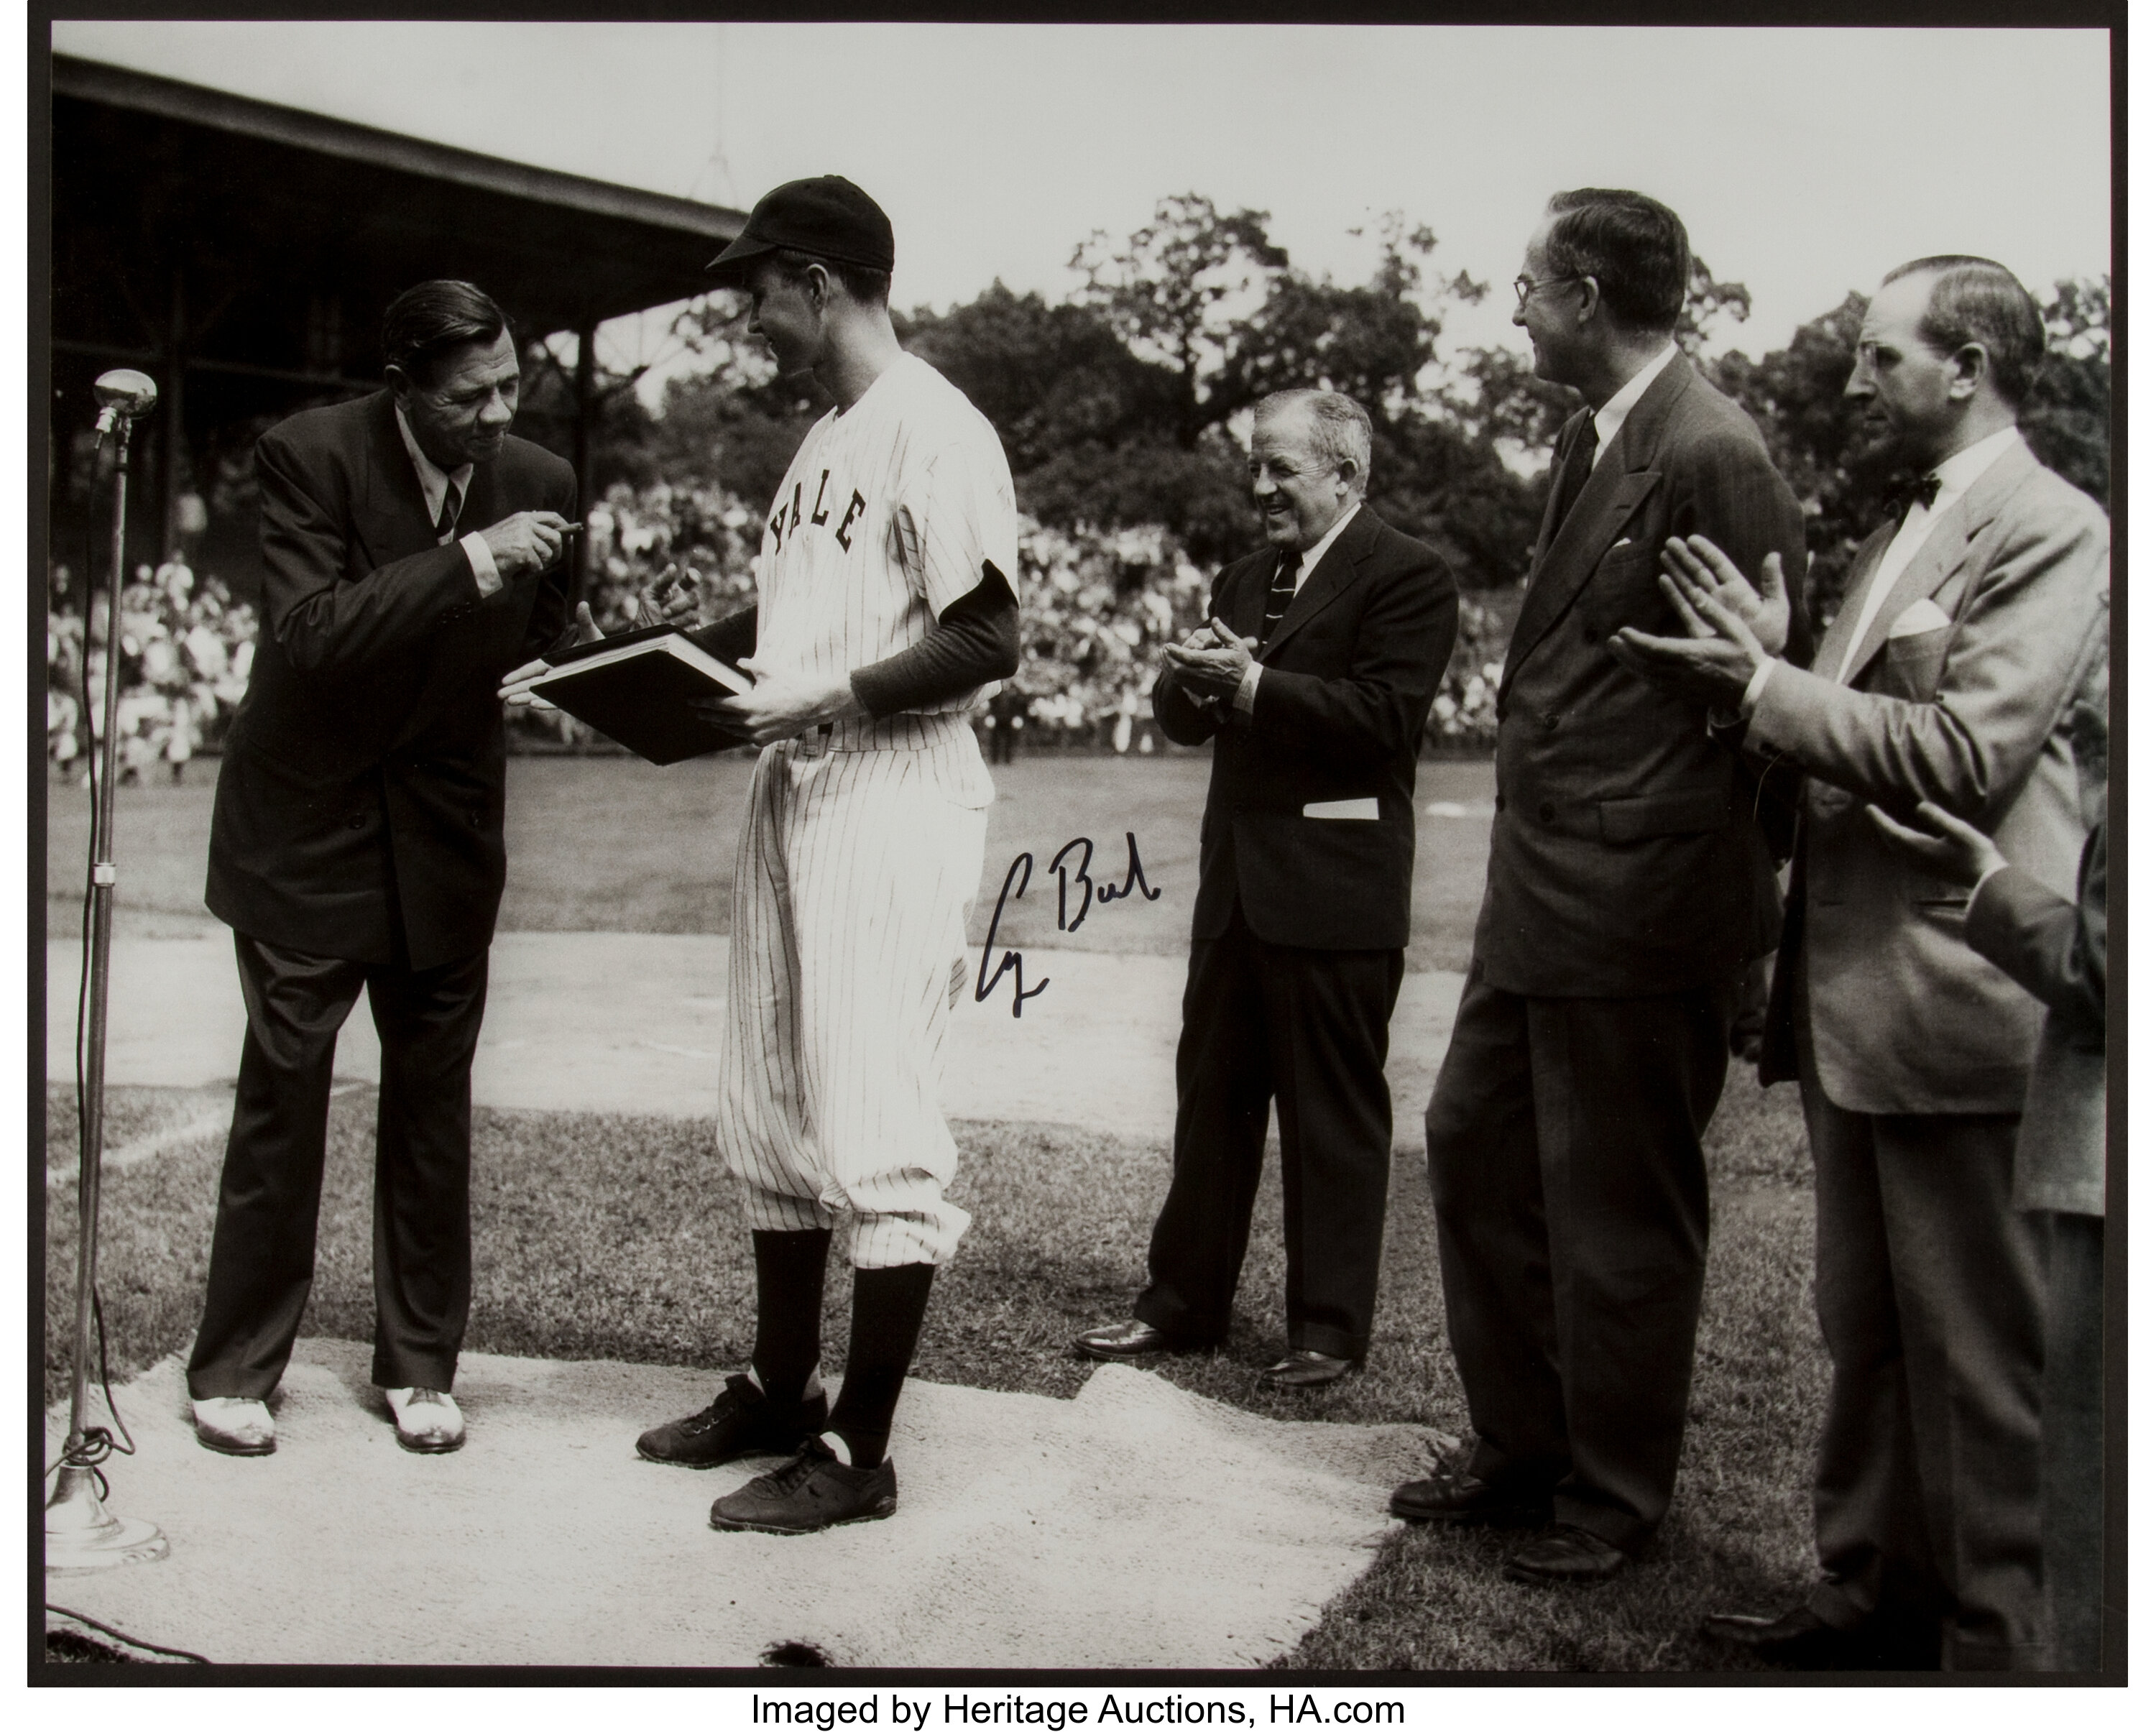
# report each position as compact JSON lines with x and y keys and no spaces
{"x":1313,"y":680}
{"x":356,"y":840}
{"x":1970,"y":623}
{"x":1630,"y":884}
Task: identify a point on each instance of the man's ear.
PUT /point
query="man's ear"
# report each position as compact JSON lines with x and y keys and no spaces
{"x":1971,"y":365}
{"x":402,"y":385}
{"x":1590,"y":294}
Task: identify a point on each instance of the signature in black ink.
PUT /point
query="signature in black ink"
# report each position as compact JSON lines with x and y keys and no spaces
{"x":1021,"y":869}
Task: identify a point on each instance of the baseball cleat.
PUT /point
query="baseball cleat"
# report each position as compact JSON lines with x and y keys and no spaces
{"x":741,"y":1421}
{"x":814,"y":1491}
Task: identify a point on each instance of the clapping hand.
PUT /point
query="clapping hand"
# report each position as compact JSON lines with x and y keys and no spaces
{"x":1213,"y":660}
{"x":1700,"y":570}
{"x":675,"y":597}
{"x":516,"y":685}
{"x":1714,"y":662}
{"x":1954,"y":849}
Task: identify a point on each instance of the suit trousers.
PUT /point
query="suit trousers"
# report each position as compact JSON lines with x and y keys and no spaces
{"x":2073,"y":1440}
{"x":1571,"y":1221}
{"x":1305,"y":1030}
{"x":1930,"y":1297}
{"x":262,"y":1256}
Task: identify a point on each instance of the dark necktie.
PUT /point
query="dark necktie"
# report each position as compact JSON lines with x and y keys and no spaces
{"x":1280,"y":594}
{"x":445,"y":525}
{"x":1578,"y":468}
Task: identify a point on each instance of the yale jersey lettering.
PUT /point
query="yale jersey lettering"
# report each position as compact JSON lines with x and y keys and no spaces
{"x":884,"y":520}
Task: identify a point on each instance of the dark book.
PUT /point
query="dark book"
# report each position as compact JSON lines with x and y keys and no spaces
{"x":635,"y":688}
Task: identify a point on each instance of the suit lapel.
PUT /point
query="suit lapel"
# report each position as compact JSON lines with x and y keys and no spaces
{"x":392,"y":511}
{"x":1322,"y":587}
{"x":1944,"y":549}
{"x":1832,"y":646}
{"x":1568,"y":556}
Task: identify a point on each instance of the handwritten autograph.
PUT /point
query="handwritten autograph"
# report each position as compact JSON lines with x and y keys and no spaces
{"x":1021,"y":869}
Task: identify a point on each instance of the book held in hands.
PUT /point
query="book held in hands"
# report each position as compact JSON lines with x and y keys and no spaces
{"x":636,"y":689}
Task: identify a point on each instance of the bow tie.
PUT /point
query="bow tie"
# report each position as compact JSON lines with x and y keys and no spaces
{"x":1906,"y":491}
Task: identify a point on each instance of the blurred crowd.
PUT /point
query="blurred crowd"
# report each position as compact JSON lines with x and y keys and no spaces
{"x":1096,"y":606}
{"x":186,"y":648}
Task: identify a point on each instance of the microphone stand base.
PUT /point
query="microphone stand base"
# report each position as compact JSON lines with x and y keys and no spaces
{"x":81,"y":1535}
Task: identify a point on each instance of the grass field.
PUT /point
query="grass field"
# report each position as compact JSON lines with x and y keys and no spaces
{"x":616,"y":844}
{"x":645,"y":1261}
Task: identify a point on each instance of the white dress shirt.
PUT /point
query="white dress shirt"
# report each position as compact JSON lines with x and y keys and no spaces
{"x":1609,"y":418}
{"x":1246,"y":694}
{"x":434,"y":483}
{"x":1957,"y":475}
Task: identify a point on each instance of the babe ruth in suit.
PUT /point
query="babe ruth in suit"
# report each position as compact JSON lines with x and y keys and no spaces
{"x":1967,"y":628}
{"x":1630,"y":883}
{"x":356,"y":840}
{"x":1313,"y":681}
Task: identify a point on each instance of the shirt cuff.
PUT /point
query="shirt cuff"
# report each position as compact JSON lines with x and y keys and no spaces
{"x":1750,"y":701}
{"x":1246,"y":694}
{"x":484,"y":571}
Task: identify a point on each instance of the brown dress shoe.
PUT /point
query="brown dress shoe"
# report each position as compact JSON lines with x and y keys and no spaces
{"x":1305,"y":1368}
{"x":1567,"y":1554}
{"x":1464,"y":1501}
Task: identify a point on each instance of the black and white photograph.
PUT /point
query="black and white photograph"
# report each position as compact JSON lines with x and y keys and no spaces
{"x":1218,"y":862}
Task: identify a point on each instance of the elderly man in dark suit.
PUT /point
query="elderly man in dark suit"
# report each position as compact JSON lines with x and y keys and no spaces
{"x":356,"y":840}
{"x":1313,"y":681}
{"x":1630,"y":883}
{"x":1970,"y":623}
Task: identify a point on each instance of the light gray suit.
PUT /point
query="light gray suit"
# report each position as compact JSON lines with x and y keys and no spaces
{"x":1914,"y":1052}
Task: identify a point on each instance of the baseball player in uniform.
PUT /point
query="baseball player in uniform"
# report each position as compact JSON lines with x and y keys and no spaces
{"x":882,"y":612}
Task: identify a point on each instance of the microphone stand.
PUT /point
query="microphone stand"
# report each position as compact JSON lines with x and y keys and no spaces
{"x":81,"y":1533}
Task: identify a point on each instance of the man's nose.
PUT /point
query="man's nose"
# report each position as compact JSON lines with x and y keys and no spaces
{"x":499,"y":410}
{"x":1860,"y":381}
{"x":1520,"y":316}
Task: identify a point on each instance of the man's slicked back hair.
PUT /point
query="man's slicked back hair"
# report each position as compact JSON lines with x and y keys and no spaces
{"x":1634,"y":247}
{"x":1980,"y":301}
{"x":428,"y":320}
{"x":1339,"y":426}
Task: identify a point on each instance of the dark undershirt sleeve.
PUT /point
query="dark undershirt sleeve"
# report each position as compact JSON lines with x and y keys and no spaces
{"x":975,"y":641}
{"x":729,"y":639}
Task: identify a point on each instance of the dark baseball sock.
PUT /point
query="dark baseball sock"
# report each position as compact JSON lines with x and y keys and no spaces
{"x":789,"y":1309}
{"x":888,"y":1307}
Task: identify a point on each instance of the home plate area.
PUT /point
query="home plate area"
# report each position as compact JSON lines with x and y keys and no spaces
{"x":1135,"y":1526}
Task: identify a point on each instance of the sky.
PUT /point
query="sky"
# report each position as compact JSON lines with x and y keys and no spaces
{"x":1804,"y":162}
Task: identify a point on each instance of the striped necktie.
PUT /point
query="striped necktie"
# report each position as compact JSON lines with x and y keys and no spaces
{"x":445,"y":525}
{"x":1280,"y":594}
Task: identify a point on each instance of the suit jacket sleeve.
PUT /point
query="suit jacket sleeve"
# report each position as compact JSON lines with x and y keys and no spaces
{"x":1378,"y":706}
{"x":2010,"y":665}
{"x":551,"y":629}
{"x":2052,"y":947}
{"x":324,"y":622}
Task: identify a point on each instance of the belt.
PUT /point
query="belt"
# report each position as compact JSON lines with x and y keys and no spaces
{"x":814,"y":742}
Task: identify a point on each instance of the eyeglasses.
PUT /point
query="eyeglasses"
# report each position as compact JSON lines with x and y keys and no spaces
{"x":1525,"y":286}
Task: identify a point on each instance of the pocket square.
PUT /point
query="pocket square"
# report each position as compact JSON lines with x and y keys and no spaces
{"x":1918,"y":617}
{"x":1366,"y":808}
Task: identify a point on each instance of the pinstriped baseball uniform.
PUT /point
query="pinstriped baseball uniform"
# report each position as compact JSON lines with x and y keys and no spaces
{"x":863,"y":849}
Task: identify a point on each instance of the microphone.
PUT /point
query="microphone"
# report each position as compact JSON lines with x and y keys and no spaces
{"x":122,"y":395}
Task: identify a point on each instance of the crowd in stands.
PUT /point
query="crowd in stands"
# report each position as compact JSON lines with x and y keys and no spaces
{"x":1096,"y":607}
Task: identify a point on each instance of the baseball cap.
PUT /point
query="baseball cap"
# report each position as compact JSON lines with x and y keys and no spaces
{"x":827,"y":215}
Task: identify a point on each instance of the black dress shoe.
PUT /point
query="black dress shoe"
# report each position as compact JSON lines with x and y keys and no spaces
{"x":1802,"y":1640}
{"x":1569,"y":1554}
{"x":743,"y":1421}
{"x":1129,"y":1340}
{"x":1305,"y":1368}
{"x":1464,"y":1501}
